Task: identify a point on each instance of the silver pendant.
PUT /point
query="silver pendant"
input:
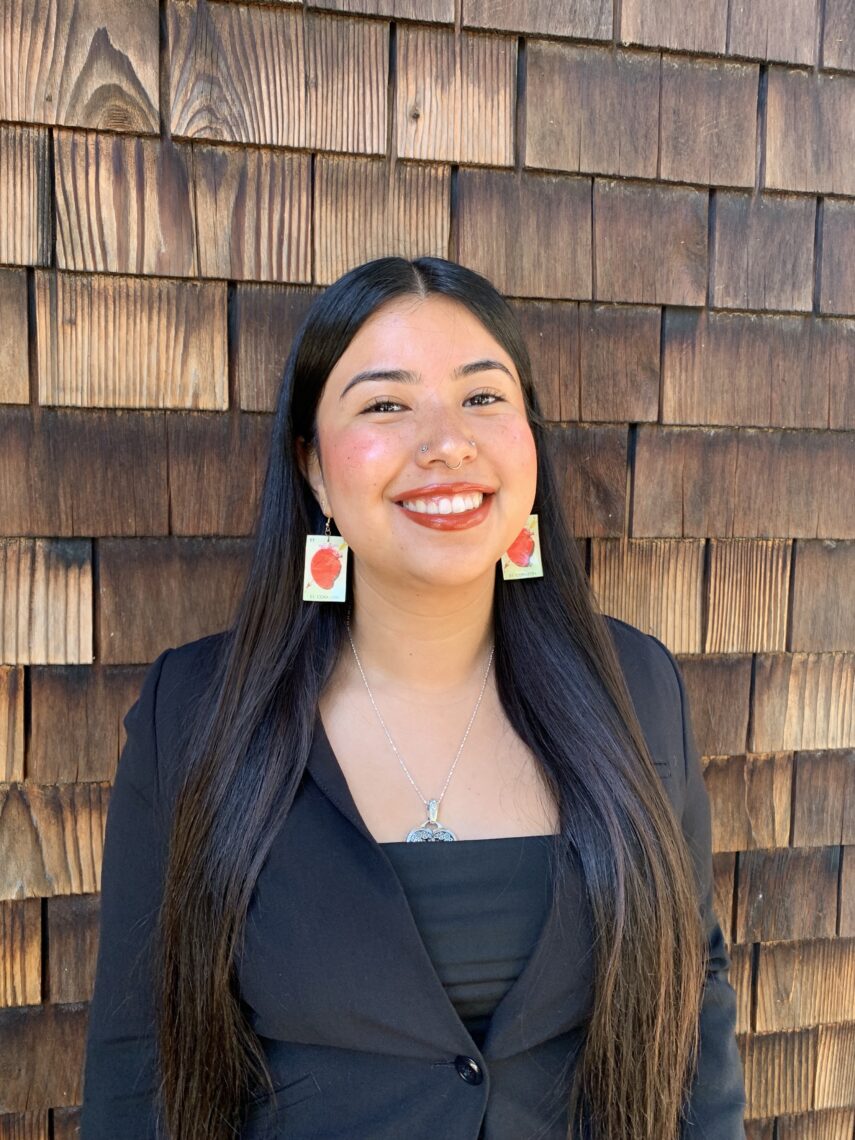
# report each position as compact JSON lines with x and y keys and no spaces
{"x":431,"y":831}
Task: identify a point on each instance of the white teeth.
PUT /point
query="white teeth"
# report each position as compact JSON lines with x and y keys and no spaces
{"x":444,"y":506}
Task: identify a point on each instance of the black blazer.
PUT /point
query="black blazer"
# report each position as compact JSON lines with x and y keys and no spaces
{"x":362,"y":1039}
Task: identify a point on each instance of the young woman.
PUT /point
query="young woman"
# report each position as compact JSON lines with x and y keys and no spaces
{"x":278,"y":956}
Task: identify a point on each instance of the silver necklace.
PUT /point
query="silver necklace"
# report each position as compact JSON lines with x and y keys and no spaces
{"x":431,"y":830}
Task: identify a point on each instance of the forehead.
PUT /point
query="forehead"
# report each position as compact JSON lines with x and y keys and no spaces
{"x":414,"y":332}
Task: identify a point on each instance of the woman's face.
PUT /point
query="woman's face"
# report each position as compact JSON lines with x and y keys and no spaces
{"x":370,"y":434}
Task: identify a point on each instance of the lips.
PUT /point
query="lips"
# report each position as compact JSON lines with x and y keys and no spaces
{"x":443,"y":490}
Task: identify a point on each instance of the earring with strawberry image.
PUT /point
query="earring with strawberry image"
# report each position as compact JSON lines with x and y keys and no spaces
{"x":325,"y":573}
{"x":522,"y":558}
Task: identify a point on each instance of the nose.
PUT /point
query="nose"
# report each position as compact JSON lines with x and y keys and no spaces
{"x":443,"y":437}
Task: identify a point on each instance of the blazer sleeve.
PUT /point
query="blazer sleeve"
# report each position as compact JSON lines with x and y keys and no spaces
{"x":717,"y":1100}
{"x":120,"y":1082}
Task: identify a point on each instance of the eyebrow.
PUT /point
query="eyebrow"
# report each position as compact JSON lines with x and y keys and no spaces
{"x":401,"y":376}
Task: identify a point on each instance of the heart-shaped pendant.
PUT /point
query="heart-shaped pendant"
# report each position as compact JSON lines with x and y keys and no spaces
{"x":431,"y":831}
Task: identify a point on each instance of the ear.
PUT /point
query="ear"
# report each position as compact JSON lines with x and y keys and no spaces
{"x":307,"y":461}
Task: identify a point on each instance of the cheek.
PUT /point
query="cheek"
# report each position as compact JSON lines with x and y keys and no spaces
{"x":357,"y":458}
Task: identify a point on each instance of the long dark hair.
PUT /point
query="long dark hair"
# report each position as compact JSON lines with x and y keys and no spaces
{"x":562,"y":688}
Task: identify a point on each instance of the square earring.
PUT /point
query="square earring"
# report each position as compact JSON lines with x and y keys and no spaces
{"x":522,"y":558}
{"x":325,"y":573}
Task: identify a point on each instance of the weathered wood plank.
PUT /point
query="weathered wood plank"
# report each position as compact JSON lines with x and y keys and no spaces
{"x":838,"y":42}
{"x":823,"y":612}
{"x":750,"y":799}
{"x":803,"y":701}
{"x":837,"y":279}
{"x":124,"y":205}
{"x":506,"y":221}
{"x":781,"y":371}
{"x":591,"y":109}
{"x":764,"y":249}
{"x":53,"y":839}
{"x":743,"y":483}
{"x":573,"y":19}
{"x":11,"y":723}
{"x":673,"y":24}
{"x":130,"y":342}
{"x":364,"y":209}
{"x":816,"y":158}
{"x":155,"y":593}
{"x":264,"y":320}
{"x":81,"y":63}
{"x":14,"y":362}
{"x":591,"y":464}
{"x":788,"y":893}
{"x":48,"y":1044}
{"x":824,"y":787}
{"x":76,"y":721}
{"x":747,"y":595}
{"x":708,"y":121}
{"x":650,"y":243}
{"x":26,"y":227}
{"x":425,"y":11}
{"x":205,"y":451}
{"x":804,"y":984}
{"x":655,"y":585}
{"x":45,"y":601}
{"x":783,"y":30}
{"x":278,"y":76}
{"x":20,"y":952}
{"x":456,"y":96}
{"x":719,"y":690}
{"x":253,"y":213}
{"x":73,"y":925}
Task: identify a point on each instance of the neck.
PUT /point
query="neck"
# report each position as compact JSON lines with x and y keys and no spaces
{"x":423,"y":648}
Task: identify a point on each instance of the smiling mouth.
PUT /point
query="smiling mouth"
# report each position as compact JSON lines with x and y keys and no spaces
{"x":446,"y":505}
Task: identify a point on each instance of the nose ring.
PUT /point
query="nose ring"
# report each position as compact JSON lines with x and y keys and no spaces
{"x":424,"y":446}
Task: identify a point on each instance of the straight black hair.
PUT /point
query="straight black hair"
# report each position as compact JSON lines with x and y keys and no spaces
{"x":561,"y":686}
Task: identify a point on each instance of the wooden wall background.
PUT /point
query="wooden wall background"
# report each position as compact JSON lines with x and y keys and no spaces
{"x":666,"y":191}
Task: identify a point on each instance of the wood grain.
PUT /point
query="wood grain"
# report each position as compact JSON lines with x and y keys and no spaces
{"x":426,"y":11}
{"x":508,"y":222}
{"x":577,"y":19}
{"x":11,"y":723}
{"x":160,"y":592}
{"x":708,"y":122}
{"x":672,"y":24}
{"x":71,"y":473}
{"x":747,"y":595}
{"x":48,"y":1044}
{"x":751,"y":800}
{"x":591,"y":466}
{"x":719,"y":691}
{"x":456,"y":96}
{"x":53,"y":839}
{"x":20,"y":952}
{"x":656,"y":586}
{"x":818,"y":157}
{"x":277,"y":76}
{"x":77,"y":712}
{"x":837,"y":282}
{"x":364,"y":209}
{"x":551,"y":333}
{"x":87,"y":63}
{"x":253,"y":213}
{"x":130,"y":342}
{"x":823,"y":788}
{"x":788,"y":894}
{"x":26,"y":229}
{"x":205,"y":453}
{"x":264,"y":321}
{"x":591,"y":109}
{"x":763,"y":251}
{"x":823,"y":603}
{"x":650,"y":243}
{"x":14,"y":362}
{"x":124,"y":205}
{"x":805,"y":983}
{"x":743,"y":483}
{"x":74,"y":931}
{"x":838,"y":42}
{"x":803,"y":701}
{"x":782,"y":30}
{"x":45,"y":602}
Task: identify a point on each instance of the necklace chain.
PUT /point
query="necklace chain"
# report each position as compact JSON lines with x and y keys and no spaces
{"x":392,"y":742}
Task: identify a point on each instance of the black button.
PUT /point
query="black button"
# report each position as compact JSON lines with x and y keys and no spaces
{"x":469,"y":1069}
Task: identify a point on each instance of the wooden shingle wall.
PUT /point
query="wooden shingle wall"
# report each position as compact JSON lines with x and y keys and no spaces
{"x":667,"y":193}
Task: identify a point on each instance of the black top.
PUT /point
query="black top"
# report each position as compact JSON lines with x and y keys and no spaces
{"x":479,"y":905}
